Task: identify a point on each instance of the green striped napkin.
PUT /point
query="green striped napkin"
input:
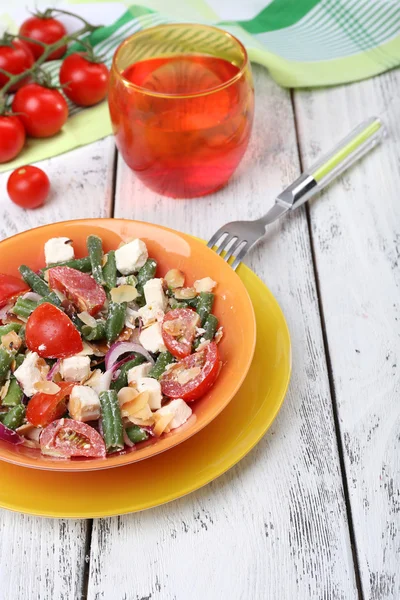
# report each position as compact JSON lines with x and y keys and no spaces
{"x":303,"y":43}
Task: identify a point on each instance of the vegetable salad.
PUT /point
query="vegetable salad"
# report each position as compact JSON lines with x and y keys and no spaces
{"x":99,"y":353}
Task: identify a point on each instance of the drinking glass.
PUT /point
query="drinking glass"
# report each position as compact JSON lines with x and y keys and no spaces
{"x":181,"y":102}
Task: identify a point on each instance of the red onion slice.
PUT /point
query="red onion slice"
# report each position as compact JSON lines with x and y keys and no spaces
{"x":127,"y":441}
{"x":8,"y":435}
{"x":54,"y":369}
{"x":32,"y":296}
{"x":119,"y":348}
{"x":4,"y":311}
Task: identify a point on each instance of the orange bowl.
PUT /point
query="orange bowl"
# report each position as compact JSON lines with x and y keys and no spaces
{"x":171,"y":250}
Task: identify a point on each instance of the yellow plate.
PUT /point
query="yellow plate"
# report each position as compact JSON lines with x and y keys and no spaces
{"x":184,"y":468}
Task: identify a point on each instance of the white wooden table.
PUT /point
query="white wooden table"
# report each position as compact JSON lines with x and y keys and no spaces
{"x":313,"y":512}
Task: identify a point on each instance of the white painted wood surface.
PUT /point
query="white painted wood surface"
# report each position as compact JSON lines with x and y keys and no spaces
{"x":43,"y":559}
{"x":275,"y":526}
{"x":356,"y":236}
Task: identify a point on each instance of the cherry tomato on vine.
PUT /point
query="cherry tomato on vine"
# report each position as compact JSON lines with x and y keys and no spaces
{"x":43,"y":111}
{"x":46,"y":30}
{"x":85,"y":82}
{"x":15,"y":57}
{"x":28,"y":186}
{"x":12,"y":137}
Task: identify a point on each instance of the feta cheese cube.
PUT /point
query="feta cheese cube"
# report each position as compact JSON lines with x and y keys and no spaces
{"x":29,"y":373}
{"x":131,"y":257}
{"x":58,"y":250}
{"x":154,"y":293}
{"x":138,"y":372}
{"x":204,"y":285}
{"x":180,"y":411}
{"x":75,"y":368}
{"x":150,"y":313}
{"x":151,"y":338}
{"x":84,"y":404}
{"x":153,"y":387}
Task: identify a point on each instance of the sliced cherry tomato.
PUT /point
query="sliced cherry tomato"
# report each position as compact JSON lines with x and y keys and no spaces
{"x":85,"y":82}
{"x":43,"y":111}
{"x":28,"y":186}
{"x":46,"y":30}
{"x":15,"y":58}
{"x":43,"y":408}
{"x":10,"y":287}
{"x":51,"y":334}
{"x":68,"y":438}
{"x":193,"y":376}
{"x":80,"y":288}
{"x":12,"y":137}
{"x":179,"y":330}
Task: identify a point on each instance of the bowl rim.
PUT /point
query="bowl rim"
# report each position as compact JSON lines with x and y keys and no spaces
{"x":121,"y":460}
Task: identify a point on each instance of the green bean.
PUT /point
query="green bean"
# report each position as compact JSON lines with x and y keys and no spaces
{"x":35,"y":282}
{"x":95,"y":249}
{"x":24,"y":307}
{"x":136,"y":434}
{"x":174,"y":303}
{"x":80,"y":264}
{"x":144,"y":275}
{"x":131,"y":280}
{"x":4,"y":329}
{"x":14,"y":394}
{"x":110,"y":271}
{"x":111,"y":421}
{"x":6,"y":359}
{"x":210,"y":327}
{"x":94,"y":333}
{"x":77,"y":322}
{"x":164,"y":359}
{"x":122,"y":379}
{"x":204,"y":306}
{"x":15,"y":417}
{"x":19,"y":359}
{"x":115,"y":320}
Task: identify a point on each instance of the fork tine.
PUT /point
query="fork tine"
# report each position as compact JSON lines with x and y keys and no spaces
{"x":240,"y":256}
{"x":216,"y":237}
{"x":233,"y":249}
{"x":224,"y":244}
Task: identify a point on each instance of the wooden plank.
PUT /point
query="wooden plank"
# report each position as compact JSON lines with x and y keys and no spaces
{"x":274,"y":526}
{"x":355,"y":229}
{"x":44,"y":558}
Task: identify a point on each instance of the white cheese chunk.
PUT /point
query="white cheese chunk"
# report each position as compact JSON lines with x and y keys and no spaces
{"x":204,"y":285}
{"x":138,"y":372}
{"x":75,"y":368}
{"x":153,"y":387}
{"x":29,"y":373}
{"x":84,"y":404}
{"x":154,"y":293}
{"x":179,"y":409}
{"x":131,"y":257}
{"x":58,"y":250}
{"x":150,"y":313}
{"x":151,"y":338}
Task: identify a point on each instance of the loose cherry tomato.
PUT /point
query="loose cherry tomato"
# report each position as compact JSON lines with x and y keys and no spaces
{"x":193,"y":376}
{"x":51,"y":334}
{"x":179,"y":330}
{"x":85,"y":82}
{"x":44,"y":408}
{"x":46,"y":30}
{"x":15,"y":58}
{"x":80,"y":288}
{"x":28,"y":186}
{"x":43,"y":111}
{"x":12,"y":137}
{"x":10,"y":287}
{"x":68,"y":438}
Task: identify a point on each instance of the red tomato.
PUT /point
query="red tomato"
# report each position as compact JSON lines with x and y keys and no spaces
{"x":43,"y":111}
{"x":87,"y":81}
{"x":80,"y":288}
{"x":51,"y":334}
{"x":179,"y":330}
{"x":28,"y":186}
{"x":44,"y":408}
{"x":12,"y":137}
{"x":202,"y":367}
{"x":47,"y":30}
{"x":15,"y":58}
{"x":68,"y":438}
{"x":10,"y":287}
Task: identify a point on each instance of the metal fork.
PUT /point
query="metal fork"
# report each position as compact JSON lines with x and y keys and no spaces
{"x":238,"y":237}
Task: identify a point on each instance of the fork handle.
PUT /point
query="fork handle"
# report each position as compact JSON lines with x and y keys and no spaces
{"x":362,"y":139}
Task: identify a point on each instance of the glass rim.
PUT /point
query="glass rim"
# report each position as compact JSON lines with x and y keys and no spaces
{"x":212,"y":90}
